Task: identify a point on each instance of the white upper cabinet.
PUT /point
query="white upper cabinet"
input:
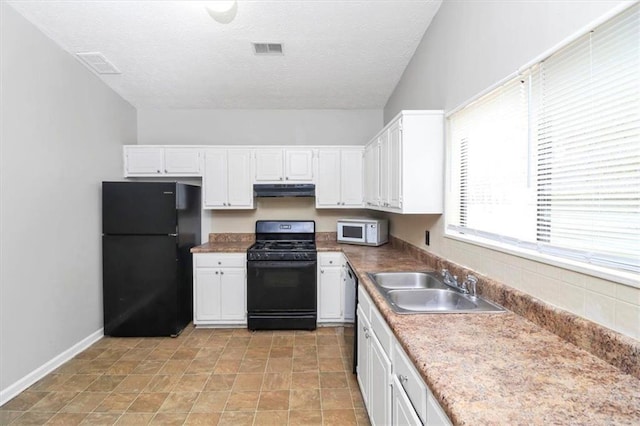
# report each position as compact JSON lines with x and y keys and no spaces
{"x":283,"y":165}
{"x":146,"y":160}
{"x":182,"y":161}
{"x":298,"y":165}
{"x":227,"y":183}
{"x":372,"y":174}
{"x":269,"y":165}
{"x":404,"y":165}
{"x":339,"y":178}
{"x":143,"y":161}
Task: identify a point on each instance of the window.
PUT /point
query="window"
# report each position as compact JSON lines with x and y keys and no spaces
{"x":550,"y":161}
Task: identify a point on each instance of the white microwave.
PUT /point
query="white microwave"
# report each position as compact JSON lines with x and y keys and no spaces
{"x":367,"y":232}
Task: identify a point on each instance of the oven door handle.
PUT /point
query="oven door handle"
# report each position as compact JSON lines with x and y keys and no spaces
{"x":280,"y":264}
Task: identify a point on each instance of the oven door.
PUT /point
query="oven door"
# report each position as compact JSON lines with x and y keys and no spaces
{"x":281,"y":286}
{"x":352,"y":232}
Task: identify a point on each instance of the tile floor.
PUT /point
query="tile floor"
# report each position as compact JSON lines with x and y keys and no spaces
{"x":204,"y":376}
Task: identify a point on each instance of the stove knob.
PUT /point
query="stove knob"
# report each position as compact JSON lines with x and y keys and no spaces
{"x":298,"y":256}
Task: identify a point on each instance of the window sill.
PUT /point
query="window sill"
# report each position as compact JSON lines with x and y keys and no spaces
{"x":626,"y":278}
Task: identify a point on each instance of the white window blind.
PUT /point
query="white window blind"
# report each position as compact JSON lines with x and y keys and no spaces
{"x":554,"y":165}
{"x":495,"y":198}
{"x":588,"y":131}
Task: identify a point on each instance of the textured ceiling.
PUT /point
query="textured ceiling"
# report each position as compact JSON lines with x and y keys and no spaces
{"x":337,"y":53}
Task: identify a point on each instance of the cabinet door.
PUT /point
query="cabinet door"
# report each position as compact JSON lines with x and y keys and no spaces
{"x":298,"y":165}
{"x":330,"y":298}
{"x":364,"y":374}
{"x":206,"y":295}
{"x":215,"y":179}
{"x":269,"y":165}
{"x":233,"y":294}
{"x":395,"y":166}
{"x":402,"y":410}
{"x":435,"y":414}
{"x":372,"y":174}
{"x":182,"y":161}
{"x":379,"y":386}
{"x":351,"y":177}
{"x":240,"y":183}
{"x":328,"y":183}
{"x":384,"y":169}
{"x":143,"y":161}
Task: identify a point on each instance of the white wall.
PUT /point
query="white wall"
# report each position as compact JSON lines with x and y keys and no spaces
{"x":469,"y":46}
{"x":257,"y":127}
{"x":62,"y":133}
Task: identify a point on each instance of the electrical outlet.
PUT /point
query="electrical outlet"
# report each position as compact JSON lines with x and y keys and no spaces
{"x":426,"y":237}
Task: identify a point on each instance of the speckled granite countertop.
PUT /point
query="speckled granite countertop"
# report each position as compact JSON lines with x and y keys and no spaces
{"x":493,"y":369}
{"x":223,"y":247}
{"x":487,"y":369}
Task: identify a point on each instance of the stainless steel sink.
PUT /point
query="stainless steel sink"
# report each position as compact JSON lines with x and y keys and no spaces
{"x":425,"y":292}
{"x":406,"y":280}
{"x":432,"y":300}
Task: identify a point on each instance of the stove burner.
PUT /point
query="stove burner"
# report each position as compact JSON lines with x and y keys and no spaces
{"x":285,"y":241}
{"x":283,"y":245}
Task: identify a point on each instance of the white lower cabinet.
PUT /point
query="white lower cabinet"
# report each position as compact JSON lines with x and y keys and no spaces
{"x":336,"y":303}
{"x":374,"y":368}
{"x":393,"y":390}
{"x":219,"y":294}
{"x":403,"y":412}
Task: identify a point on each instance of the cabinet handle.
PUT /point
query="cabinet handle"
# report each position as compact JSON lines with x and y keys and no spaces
{"x":219,"y":262}
{"x":402,"y":378}
{"x":221,"y":272}
{"x":280,"y":177}
{"x":366,"y":335}
{"x":338,"y":203}
{"x":331,"y":261}
{"x":322,"y":271}
{"x":217,"y":272}
{"x":157,"y":171}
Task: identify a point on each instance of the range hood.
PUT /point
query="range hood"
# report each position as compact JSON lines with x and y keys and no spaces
{"x":284,"y":190}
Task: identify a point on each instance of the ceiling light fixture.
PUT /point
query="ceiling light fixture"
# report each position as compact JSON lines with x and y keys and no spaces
{"x":222,"y":11}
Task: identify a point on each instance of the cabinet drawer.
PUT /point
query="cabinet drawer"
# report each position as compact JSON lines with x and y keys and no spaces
{"x":330,"y":259}
{"x":220,"y":260}
{"x":411,"y":381}
{"x":364,"y":302}
{"x":382,"y":331}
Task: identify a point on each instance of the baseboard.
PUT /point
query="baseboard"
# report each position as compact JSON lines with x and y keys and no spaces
{"x":11,"y":391}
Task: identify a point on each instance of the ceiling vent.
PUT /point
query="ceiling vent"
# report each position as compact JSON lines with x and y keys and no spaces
{"x":268,"y":48}
{"x":98,"y":63}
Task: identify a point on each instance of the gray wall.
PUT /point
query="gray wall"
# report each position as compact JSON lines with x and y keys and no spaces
{"x":257,"y":127}
{"x":473,"y":44}
{"x":62,"y":133}
{"x":470,"y":46}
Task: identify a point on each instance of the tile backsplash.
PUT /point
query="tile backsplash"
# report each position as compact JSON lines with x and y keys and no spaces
{"x":615,"y":306}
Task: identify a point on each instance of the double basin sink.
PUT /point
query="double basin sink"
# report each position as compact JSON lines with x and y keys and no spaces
{"x":425,"y":292}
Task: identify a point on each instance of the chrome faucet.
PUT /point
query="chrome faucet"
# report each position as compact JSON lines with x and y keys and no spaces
{"x":470,"y":285}
{"x":450,"y":280}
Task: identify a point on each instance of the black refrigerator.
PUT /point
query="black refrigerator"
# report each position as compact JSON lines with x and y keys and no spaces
{"x":148,"y":230}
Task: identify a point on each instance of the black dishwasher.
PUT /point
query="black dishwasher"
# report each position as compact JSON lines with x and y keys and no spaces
{"x":353,"y":278}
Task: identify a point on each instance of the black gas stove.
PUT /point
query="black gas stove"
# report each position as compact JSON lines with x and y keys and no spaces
{"x":281,"y":276}
{"x":282,"y":250}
